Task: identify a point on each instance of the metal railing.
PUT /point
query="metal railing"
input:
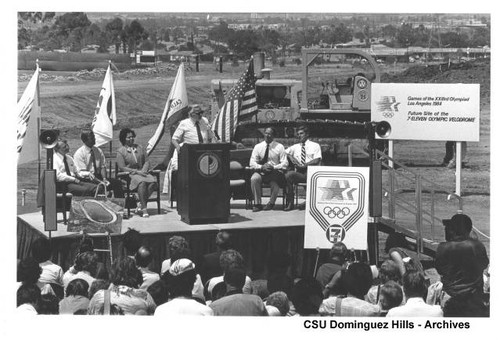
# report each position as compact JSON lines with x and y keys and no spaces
{"x":414,"y":202}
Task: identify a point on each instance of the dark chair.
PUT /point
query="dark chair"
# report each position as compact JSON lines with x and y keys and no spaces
{"x":124,"y":176}
{"x":296,"y":188}
{"x":239,"y":183}
{"x":63,"y":198}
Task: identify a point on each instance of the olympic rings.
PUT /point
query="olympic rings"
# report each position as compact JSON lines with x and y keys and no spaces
{"x":336,"y":212}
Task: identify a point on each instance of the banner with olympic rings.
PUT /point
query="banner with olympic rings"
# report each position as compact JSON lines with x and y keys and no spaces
{"x":337,"y":207}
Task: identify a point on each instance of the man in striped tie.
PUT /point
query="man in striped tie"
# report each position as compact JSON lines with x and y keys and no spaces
{"x":301,"y":155}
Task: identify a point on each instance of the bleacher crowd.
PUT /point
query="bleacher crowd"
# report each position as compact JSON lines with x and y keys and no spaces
{"x":217,"y":283}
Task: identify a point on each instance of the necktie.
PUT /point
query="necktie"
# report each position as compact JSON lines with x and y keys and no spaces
{"x":303,"y":154}
{"x":66,"y":166}
{"x":92,"y":159}
{"x":266,"y":156}
{"x":198,"y":130}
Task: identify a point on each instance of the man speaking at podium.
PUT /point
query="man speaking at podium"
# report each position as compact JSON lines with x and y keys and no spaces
{"x":193,"y":130}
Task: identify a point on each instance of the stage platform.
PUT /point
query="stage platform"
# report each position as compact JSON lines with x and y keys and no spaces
{"x":169,"y":221}
{"x":256,"y":236}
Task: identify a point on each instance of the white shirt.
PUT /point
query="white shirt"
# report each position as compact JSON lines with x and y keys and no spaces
{"x":247,"y":289}
{"x":416,"y":307}
{"x":58,"y":165}
{"x":276,"y":157}
{"x":186,"y":131}
{"x":313,"y":151}
{"x":183,"y":306}
{"x":51,"y":273}
{"x":69,"y":276}
{"x":83,"y":163}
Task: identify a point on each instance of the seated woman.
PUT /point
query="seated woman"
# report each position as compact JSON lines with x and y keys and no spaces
{"x":67,"y":173}
{"x":133,"y":159}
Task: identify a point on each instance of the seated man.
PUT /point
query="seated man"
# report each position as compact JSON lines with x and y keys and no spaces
{"x":302,"y":155}
{"x":91,"y":164}
{"x":269,"y":160}
{"x":67,"y":174}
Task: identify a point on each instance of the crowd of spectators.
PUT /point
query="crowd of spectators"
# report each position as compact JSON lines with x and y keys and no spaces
{"x":218,"y":284}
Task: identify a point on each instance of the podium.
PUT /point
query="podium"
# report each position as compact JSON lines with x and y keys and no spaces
{"x":203,"y":193}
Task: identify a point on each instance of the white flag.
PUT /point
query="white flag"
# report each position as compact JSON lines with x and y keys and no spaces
{"x":28,"y":126}
{"x":105,"y":112}
{"x":177,"y":104}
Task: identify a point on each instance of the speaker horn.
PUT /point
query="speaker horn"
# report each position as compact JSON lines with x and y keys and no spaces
{"x":48,"y":138}
{"x":383,"y":129}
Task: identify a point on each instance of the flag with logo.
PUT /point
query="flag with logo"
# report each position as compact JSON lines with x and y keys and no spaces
{"x":175,"y":109}
{"x":28,"y":121}
{"x":240,"y":103}
{"x":105,"y":111}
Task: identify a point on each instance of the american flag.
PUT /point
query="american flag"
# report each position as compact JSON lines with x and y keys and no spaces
{"x":240,"y":103}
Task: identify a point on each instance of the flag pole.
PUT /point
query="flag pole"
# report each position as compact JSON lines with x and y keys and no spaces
{"x":111,"y":141}
{"x":38,"y":123}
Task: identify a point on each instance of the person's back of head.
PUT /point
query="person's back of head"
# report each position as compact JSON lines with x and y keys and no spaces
{"x":86,"y":261}
{"x":125,"y":272}
{"x":389,"y":270}
{"x":180,"y":278}
{"x":28,"y":293}
{"x":457,"y":228}
{"x":279,"y":300}
{"x":219,"y":290}
{"x":223,"y":240}
{"x":177,"y":242}
{"x":40,"y":249}
{"x":414,"y":284}
{"x":143,"y":257}
{"x":339,"y":252}
{"x":231,"y":258}
{"x":234,"y":278}
{"x":132,"y":240}
{"x":357,"y":278}
{"x":97,"y":285}
{"x":158,"y":291}
{"x":391,"y":295}
{"x":77,"y":287}
{"x":307,"y":296}
{"x":49,"y":305}
{"x":28,"y":270}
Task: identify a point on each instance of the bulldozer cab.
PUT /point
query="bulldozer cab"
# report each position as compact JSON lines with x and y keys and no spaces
{"x":337,"y":84}
{"x":277,"y":99}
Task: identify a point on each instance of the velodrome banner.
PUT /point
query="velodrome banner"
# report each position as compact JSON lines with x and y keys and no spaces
{"x":337,"y":207}
{"x":432,"y":112}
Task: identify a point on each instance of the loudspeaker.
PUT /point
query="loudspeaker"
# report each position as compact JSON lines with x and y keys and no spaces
{"x":48,"y":138}
{"x":383,"y":129}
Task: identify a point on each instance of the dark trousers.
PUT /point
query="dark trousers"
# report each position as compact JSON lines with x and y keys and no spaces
{"x":77,"y":189}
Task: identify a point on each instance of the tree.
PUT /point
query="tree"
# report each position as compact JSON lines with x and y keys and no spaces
{"x":341,"y":34}
{"x":405,"y":36}
{"x":70,"y":28}
{"x":244,"y":42}
{"x":114,"y":30}
{"x":136,"y":34}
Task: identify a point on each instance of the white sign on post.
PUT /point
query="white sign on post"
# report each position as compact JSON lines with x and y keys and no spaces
{"x":432,"y":112}
{"x":337,"y":208}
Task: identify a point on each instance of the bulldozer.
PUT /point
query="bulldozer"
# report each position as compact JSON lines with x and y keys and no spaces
{"x":331,"y":95}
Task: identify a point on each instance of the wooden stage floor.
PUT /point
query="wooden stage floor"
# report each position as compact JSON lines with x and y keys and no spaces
{"x":169,"y":221}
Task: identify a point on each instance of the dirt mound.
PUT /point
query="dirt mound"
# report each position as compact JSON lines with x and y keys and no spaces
{"x":471,"y":72}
